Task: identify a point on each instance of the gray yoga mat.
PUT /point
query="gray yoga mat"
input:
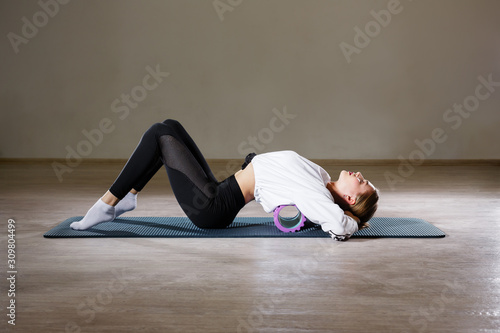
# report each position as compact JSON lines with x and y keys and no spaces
{"x":178,"y":227}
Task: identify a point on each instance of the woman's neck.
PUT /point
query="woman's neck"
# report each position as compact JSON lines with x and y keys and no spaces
{"x":337,"y":197}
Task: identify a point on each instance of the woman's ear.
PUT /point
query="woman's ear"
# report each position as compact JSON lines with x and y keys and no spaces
{"x":350,"y":199}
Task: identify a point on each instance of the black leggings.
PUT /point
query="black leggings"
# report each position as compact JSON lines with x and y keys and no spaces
{"x":207,"y":202}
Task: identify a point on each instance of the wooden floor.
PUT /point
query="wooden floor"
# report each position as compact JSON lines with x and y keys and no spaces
{"x":450,"y":284}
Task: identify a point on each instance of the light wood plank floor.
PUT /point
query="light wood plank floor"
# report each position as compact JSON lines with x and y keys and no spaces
{"x":450,"y":284}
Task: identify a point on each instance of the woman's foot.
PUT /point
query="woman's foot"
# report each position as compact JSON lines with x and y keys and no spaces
{"x":128,"y":203}
{"x":100,"y":212}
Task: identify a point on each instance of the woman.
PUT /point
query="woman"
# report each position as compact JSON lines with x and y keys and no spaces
{"x":341,"y":207}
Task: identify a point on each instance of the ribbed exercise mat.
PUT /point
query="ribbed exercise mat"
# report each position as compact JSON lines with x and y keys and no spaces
{"x":241,"y":227}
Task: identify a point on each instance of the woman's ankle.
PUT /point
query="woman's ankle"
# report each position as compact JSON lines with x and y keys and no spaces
{"x":110,"y":199}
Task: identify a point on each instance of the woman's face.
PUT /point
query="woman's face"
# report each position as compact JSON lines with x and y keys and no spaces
{"x":353,"y":183}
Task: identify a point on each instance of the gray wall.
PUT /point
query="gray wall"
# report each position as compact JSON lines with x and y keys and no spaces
{"x":228,"y":71}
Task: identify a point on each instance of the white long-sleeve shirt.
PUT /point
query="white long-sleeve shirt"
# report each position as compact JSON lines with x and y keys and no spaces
{"x":286,"y":178}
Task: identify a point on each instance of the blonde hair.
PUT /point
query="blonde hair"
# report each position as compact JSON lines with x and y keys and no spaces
{"x":365,"y":207}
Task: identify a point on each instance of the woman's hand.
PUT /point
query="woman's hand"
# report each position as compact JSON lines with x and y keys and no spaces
{"x":348,"y":213}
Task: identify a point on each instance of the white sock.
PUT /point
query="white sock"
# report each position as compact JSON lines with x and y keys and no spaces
{"x":128,"y":203}
{"x":98,"y":213}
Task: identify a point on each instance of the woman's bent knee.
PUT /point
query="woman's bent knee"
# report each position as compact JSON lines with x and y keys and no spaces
{"x":171,"y":122}
{"x":164,"y":128}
